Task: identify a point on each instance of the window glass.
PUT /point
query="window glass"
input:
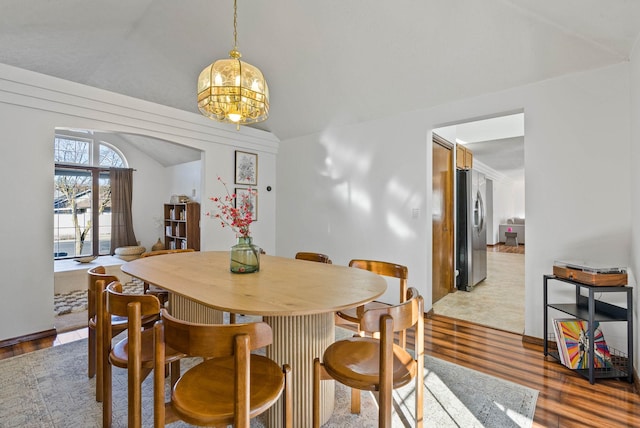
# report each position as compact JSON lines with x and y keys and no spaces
{"x":82,"y":196}
{"x":72,"y":151}
{"x":110,"y":157}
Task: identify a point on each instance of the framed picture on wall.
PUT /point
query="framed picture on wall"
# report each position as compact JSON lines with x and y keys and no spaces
{"x":252,"y":197}
{"x":246,"y":168}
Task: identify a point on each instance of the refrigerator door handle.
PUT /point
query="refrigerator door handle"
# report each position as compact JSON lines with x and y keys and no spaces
{"x":478,"y":212}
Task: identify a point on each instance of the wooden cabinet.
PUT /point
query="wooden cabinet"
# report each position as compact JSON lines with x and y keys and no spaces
{"x":464,"y":157}
{"x":182,"y":226}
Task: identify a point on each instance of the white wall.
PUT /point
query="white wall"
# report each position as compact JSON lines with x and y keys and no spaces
{"x":349,"y":191}
{"x":633,"y":162}
{"x":185,"y":179}
{"x":31,"y":107}
{"x":508,"y":201}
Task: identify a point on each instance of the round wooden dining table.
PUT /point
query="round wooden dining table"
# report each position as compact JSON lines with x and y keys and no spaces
{"x":297,"y":298}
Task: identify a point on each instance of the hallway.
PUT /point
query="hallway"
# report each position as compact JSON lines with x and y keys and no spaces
{"x":496,"y":302}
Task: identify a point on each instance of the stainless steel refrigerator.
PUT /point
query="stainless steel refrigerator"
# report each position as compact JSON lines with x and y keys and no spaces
{"x":471,"y":229}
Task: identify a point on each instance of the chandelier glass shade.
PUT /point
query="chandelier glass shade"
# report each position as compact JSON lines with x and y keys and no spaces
{"x":233,"y":91}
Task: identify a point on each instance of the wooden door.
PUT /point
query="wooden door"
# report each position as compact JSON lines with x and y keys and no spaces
{"x":442,"y":219}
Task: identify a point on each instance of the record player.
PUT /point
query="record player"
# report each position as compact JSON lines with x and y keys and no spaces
{"x":591,"y":273}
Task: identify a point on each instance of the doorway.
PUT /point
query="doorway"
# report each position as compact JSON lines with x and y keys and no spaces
{"x":497,"y":147}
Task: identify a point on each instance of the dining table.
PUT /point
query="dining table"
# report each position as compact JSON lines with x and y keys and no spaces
{"x":297,"y":298}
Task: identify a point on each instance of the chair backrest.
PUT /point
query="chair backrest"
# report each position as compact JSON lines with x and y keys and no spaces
{"x":405,"y":315}
{"x":391,"y":270}
{"x":117,"y":303}
{"x":98,"y":273}
{"x":169,"y":251}
{"x":212,"y":340}
{"x":313,"y":257}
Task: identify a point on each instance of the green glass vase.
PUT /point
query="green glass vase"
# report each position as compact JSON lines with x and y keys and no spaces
{"x":245,"y":257}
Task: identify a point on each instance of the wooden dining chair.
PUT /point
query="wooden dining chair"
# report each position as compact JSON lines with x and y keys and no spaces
{"x":134,"y":353}
{"x":372,"y":364}
{"x":387,"y":269}
{"x":313,"y":257}
{"x":230,"y":386}
{"x":161,"y":294}
{"x":119,"y":324}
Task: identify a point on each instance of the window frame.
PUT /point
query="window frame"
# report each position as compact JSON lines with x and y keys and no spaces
{"x":95,"y":170}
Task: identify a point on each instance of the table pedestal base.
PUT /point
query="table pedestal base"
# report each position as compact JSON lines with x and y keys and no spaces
{"x":187,"y":310}
{"x":297,"y":340}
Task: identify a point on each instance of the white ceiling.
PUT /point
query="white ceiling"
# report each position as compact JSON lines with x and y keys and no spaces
{"x":327,"y":62}
{"x":497,"y":144}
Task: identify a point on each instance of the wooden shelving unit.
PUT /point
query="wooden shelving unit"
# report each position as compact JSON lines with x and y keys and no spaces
{"x":182,"y":226}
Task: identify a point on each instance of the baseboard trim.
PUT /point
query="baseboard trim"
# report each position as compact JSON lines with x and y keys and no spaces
{"x":28,"y":337}
{"x":532,"y":340}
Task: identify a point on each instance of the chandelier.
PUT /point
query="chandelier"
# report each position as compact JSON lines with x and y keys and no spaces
{"x":232,"y":91}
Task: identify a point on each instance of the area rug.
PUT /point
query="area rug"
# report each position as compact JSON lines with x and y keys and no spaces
{"x":76,"y":301}
{"x":50,"y":388}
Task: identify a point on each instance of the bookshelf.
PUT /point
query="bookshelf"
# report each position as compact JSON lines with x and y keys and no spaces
{"x":182,"y":226}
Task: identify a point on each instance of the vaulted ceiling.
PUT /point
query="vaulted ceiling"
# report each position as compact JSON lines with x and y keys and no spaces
{"x":327,"y":62}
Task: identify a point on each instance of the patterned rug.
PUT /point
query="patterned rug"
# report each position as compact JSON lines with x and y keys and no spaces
{"x":49,"y":388}
{"x":76,"y":301}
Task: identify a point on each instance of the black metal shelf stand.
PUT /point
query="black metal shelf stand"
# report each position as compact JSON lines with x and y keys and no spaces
{"x":589,"y":309}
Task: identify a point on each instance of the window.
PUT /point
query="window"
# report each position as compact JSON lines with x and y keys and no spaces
{"x":82,"y":196}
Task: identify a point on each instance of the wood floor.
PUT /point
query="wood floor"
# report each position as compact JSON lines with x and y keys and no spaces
{"x":501,"y":248}
{"x":566,"y":400}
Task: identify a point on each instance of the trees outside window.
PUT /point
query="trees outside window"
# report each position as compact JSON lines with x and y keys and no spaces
{"x":82,"y":196}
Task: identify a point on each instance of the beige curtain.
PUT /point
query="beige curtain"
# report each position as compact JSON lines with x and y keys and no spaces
{"x":121,"y":219}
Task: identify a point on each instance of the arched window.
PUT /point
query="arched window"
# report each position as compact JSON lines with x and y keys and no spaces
{"x":82,"y":195}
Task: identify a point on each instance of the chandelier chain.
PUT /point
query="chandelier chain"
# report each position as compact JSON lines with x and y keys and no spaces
{"x":235,"y":25}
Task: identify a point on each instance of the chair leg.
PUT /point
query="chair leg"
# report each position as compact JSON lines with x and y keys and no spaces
{"x":106,"y":395}
{"x":158,"y":376}
{"x":288,"y":398}
{"x":175,"y":372}
{"x":232,"y":318}
{"x":355,"y":401}
{"x":91,"y":362}
{"x":99,"y":358}
{"x":386,"y":371}
{"x":135,"y":372}
{"x":317,"y":367}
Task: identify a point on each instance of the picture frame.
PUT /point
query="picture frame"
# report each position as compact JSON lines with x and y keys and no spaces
{"x":246,"y":167}
{"x":253,"y":197}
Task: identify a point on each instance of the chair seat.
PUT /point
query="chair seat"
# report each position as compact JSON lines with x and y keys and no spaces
{"x":120,"y":352}
{"x":204,"y":395}
{"x":350,"y":314}
{"x":355,"y":362}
